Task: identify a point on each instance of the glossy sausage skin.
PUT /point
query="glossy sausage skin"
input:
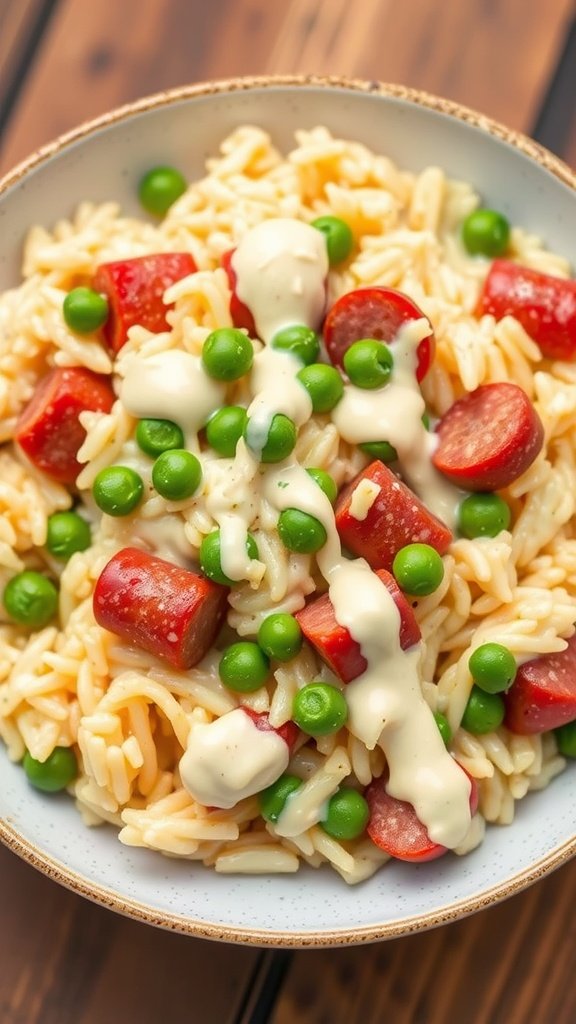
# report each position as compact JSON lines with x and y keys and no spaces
{"x":333,"y":642}
{"x":396,"y":518}
{"x":289,"y":732}
{"x":489,"y":438}
{"x":49,"y":431}
{"x":543,"y":695}
{"x":170,"y":612}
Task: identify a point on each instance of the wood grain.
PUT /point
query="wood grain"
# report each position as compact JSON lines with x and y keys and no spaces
{"x":497,"y":57}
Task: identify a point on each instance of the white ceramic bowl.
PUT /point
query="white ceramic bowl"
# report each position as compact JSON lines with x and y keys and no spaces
{"x":101,"y":161}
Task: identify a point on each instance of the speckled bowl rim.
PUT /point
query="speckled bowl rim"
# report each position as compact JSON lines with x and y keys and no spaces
{"x":58,"y":871}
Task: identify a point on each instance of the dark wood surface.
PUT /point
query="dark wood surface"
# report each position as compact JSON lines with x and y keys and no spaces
{"x":62,"y":959}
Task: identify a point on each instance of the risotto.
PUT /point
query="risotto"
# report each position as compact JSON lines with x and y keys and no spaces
{"x":287,"y":484}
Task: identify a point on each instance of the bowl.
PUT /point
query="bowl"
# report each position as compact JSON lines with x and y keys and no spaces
{"x":98,"y":161}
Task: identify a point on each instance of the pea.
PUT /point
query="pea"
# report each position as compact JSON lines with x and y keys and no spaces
{"x":273,"y":799}
{"x":31,"y":599}
{"x":368,"y":364}
{"x":227,"y":354}
{"x":380,"y":450}
{"x":324,"y":385}
{"x":244,"y":667}
{"x":325,"y":482}
{"x":486,"y":233}
{"x":117,"y":490}
{"x":347,"y":816}
{"x":319,"y":709}
{"x":210,"y":559}
{"x":281,"y":439}
{"x":225,"y":428}
{"x":566,"y":739}
{"x":53,"y":774}
{"x":419,"y":569}
{"x":67,"y":533}
{"x":426,"y":420}
{"x":159,"y":188}
{"x":443,"y":726}
{"x":339,"y":238}
{"x":177,"y":474}
{"x":484,"y":712}
{"x":493,"y":668}
{"x":280,"y":636}
{"x":85,"y":310}
{"x":301,"y":532}
{"x":483,"y":515}
{"x":300,"y":341}
{"x":156,"y":436}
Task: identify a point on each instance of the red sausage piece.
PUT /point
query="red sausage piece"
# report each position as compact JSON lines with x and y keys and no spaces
{"x":544,"y":305}
{"x":169,"y":611}
{"x":49,"y":431}
{"x":241,"y":315}
{"x":394,"y":827}
{"x":543,"y":695}
{"x":396,"y":518}
{"x":377,"y":313}
{"x":333,"y":642}
{"x":135,"y":288}
{"x":489,"y":438}
{"x":289,"y":732}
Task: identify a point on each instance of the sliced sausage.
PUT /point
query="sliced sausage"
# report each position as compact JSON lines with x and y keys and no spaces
{"x":543,"y":695}
{"x":289,"y":732}
{"x":135,"y":292}
{"x":334,"y":643}
{"x":241,"y":315}
{"x":377,"y":313}
{"x":396,"y":518}
{"x":544,"y":305}
{"x":49,"y":431}
{"x":171,"y":612}
{"x":489,"y":438}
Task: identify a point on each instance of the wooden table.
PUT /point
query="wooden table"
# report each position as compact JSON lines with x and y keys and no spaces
{"x":63,"y":960}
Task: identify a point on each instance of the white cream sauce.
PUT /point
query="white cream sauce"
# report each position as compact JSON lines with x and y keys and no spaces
{"x":231,"y":759}
{"x":232,"y":495}
{"x":277,"y":390}
{"x":281,"y":266}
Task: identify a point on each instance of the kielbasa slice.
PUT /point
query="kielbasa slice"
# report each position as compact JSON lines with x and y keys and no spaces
{"x":543,"y":695}
{"x":289,"y":732}
{"x":241,"y":315}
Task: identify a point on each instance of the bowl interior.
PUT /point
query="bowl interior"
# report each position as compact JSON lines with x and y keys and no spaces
{"x":313,"y":906}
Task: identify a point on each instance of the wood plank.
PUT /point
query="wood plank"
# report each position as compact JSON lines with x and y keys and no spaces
{"x":96,"y":56}
{"x":18,"y":22}
{"x":507,"y":965}
{"x":64,"y":960}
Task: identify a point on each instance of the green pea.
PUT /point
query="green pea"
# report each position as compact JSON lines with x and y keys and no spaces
{"x":177,"y":474}
{"x":159,"y":188}
{"x":319,"y":709}
{"x":483,"y":713}
{"x":324,"y":385}
{"x":347,"y":816}
{"x":67,"y":533}
{"x":325,"y":482}
{"x":368,"y":364}
{"x":380,"y":450}
{"x":443,"y":726}
{"x":55,"y":773}
{"x":210,"y":558}
{"x":280,"y":442}
{"x":419,"y":569}
{"x":31,"y":599}
{"x":486,"y":233}
{"x":425,"y":420}
{"x":117,"y":490}
{"x":227,"y":354}
{"x":301,"y":532}
{"x":483,"y":515}
{"x":156,"y":436}
{"x":493,"y":668}
{"x":244,"y":667}
{"x":280,"y":636}
{"x":566,"y":739}
{"x":273,"y":799}
{"x":85,"y":310}
{"x":300,"y":341}
{"x":339,"y":238}
{"x":225,"y":428}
